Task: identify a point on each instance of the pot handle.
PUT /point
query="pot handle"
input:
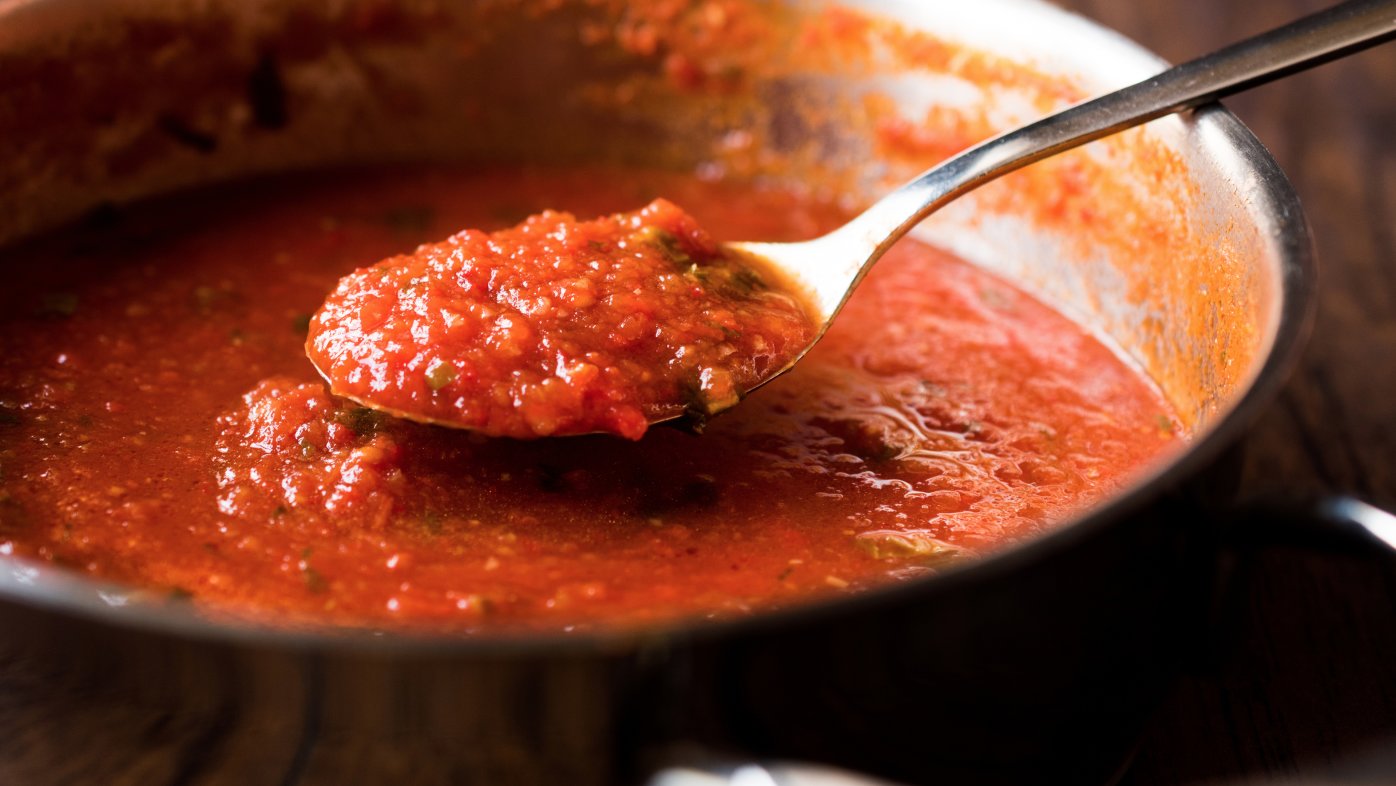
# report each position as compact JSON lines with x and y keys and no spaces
{"x":1335,"y":524}
{"x":705,"y":770}
{"x":1342,"y":524}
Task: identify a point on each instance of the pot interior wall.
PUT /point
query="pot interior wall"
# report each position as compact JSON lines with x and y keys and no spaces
{"x":1153,"y":237}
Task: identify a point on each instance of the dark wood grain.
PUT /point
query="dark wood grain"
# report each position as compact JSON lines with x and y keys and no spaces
{"x":1308,"y":683}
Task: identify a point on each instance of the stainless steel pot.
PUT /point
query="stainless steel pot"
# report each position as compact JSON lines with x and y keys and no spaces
{"x":1186,"y":248}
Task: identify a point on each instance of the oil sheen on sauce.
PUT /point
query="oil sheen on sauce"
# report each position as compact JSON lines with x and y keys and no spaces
{"x":160,"y":425}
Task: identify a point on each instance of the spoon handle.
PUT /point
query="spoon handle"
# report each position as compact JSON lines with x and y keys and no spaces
{"x":1310,"y":41}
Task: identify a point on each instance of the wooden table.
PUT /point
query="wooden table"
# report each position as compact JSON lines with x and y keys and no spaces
{"x":1309,"y":681}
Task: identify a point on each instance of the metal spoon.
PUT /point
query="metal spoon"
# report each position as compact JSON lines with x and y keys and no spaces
{"x":830,"y":267}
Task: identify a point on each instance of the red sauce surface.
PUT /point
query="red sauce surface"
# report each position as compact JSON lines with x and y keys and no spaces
{"x":161,"y":425}
{"x":559,"y":327}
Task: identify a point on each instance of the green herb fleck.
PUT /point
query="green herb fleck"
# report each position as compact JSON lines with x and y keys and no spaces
{"x":314,"y":581}
{"x":364,"y":422}
{"x":280,"y":511}
{"x":1165,"y":424}
{"x":481,"y":604}
{"x":698,"y":273}
{"x":728,"y":334}
{"x":666,"y":242}
{"x":300,"y":323}
{"x":58,"y":304}
{"x":695,"y":401}
{"x":307,"y":448}
{"x":744,"y":282}
{"x":785,"y":574}
{"x":440,"y":375}
{"x":885,"y":451}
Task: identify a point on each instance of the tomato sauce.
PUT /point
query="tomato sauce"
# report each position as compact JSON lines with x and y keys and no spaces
{"x":559,"y":327}
{"x":161,"y":425}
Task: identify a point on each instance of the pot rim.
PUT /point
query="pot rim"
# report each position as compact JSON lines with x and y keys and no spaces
{"x":1276,"y":208}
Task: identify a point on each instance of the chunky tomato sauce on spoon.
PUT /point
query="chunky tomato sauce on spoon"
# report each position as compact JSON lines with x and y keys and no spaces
{"x":559,"y":327}
{"x":160,"y":425}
